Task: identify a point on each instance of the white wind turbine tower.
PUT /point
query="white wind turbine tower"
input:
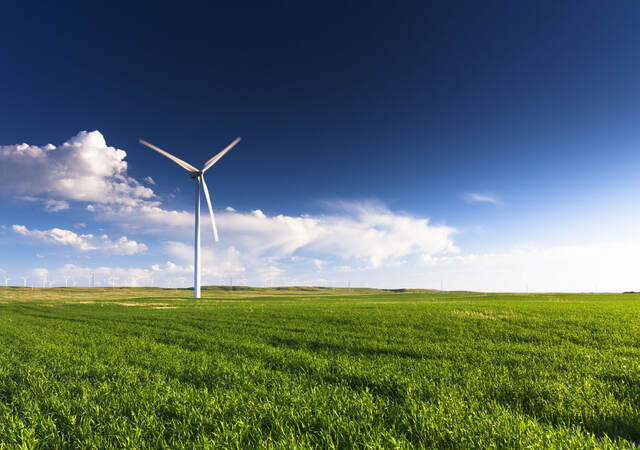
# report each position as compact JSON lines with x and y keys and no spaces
{"x":198,"y":175}
{"x":24,"y":280}
{"x":6,"y":282}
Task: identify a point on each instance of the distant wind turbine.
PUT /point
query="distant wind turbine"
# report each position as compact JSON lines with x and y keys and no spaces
{"x":198,"y":175}
{"x":24,"y":280}
{"x":6,"y":282}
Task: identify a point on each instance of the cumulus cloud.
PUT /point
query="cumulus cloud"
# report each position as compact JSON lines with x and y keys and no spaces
{"x":475,"y":197}
{"x":83,"y":242}
{"x":84,"y":168}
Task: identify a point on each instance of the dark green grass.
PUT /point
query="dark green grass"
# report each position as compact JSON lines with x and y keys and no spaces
{"x":317,"y":368}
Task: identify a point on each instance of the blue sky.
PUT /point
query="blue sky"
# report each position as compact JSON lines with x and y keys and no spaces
{"x":492,"y":146}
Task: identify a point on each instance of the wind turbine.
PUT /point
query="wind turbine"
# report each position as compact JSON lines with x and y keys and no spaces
{"x":24,"y":280}
{"x":198,"y":176}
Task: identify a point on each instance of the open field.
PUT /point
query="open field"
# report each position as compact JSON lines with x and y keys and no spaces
{"x":317,"y":368}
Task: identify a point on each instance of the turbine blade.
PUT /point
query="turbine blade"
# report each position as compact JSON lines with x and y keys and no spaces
{"x":215,"y":159}
{"x":213,"y":220}
{"x":176,"y":160}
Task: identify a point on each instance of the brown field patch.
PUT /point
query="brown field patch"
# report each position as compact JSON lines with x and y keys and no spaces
{"x":139,"y":304}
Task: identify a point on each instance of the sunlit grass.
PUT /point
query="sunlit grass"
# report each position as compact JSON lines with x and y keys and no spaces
{"x":317,"y":368}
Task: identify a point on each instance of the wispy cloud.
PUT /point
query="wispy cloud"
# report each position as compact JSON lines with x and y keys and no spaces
{"x":476,"y":197}
{"x":365,"y":233}
{"x":56,"y":205}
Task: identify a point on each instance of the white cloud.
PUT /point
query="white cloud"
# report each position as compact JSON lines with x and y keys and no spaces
{"x":40,"y":273}
{"x":55,"y":205}
{"x":601,"y":267}
{"x":168,"y":274}
{"x":124,"y":246}
{"x":144,"y":217}
{"x":58,"y":236}
{"x":569,"y":268}
{"x":84,"y":168}
{"x":269,"y":273}
{"x":150,"y":180}
{"x":220,"y":262}
{"x":83,"y":242}
{"x":258,"y":214}
{"x":474,"y":197}
{"x":103,"y":276}
{"x":369,"y":234}
{"x":50,"y":205}
{"x":364,"y":233}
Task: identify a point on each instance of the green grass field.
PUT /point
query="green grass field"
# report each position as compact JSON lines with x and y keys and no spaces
{"x":116,"y":368}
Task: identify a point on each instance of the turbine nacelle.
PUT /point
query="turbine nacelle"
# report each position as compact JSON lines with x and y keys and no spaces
{"x":195,"y":174}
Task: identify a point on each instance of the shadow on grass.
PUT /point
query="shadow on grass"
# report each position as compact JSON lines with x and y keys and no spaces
{"x":317,"y":346}
{"x":543,"y":406}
